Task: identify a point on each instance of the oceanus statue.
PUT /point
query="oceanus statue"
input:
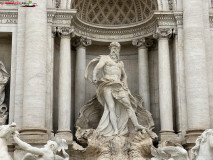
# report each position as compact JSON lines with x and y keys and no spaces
{"x":107,"y":73}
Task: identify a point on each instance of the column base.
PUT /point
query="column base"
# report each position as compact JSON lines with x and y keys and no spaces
{"x":67,"y":135}
{"x":168,"y":135}
{"x":34,"y":135}
{"x":191,"y":137}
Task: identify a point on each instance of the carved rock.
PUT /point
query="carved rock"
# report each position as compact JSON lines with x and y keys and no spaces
{"x":134,"y":146}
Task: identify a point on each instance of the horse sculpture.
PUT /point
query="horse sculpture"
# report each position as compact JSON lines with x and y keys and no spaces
{"x":5,"y":132}
{"x":204,"y":146}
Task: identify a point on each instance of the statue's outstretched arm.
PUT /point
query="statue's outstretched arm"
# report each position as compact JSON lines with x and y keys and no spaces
{"x":100,"y":65}
{"x":25,"y":146}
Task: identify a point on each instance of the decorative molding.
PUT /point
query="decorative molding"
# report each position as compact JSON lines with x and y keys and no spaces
{"x":172,"y":4}
{"x":163,"y":32}
{"x":179,"y":18}
{"x":8,"y":16}
{"x":124,"y":32}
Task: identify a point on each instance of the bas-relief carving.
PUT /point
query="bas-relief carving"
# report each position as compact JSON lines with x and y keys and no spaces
{"x":114,"y":124}
{"x":203,"y":148}
{"x":5,"y":132}
{"x":48,"y":152}
{"x":4,"y":77}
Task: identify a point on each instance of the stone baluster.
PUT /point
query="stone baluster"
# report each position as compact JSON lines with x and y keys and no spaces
{"x":143,"y":70}
{"x":64,"y":102}
{"x":34,"y":99}
{"x":165,"y":86}
{"x":81,"y":44}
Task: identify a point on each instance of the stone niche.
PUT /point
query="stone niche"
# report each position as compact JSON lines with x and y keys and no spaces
{"x":5,"y":57}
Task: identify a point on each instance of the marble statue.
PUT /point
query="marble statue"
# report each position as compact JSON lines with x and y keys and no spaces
{"x":108,"y":126}
{"x":5,"y":132}
{"x":169,"y":153}
{"x":203,"y":148}
{"x":4,"y":77}
{"x":48,"y":152}
{"x":107,"y":73}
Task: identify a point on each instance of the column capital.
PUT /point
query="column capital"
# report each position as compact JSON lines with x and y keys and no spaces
{"x":163,"y":33}
{"x":54,"y":30}
{"x":82,"y":41}
{"x":142,"y":42}
{"x":65,"y":32}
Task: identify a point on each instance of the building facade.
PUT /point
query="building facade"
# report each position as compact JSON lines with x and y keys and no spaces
{"x":166,"y":47}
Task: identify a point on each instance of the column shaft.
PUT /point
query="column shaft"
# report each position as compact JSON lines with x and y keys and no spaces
{"x":79,"y":79}
{"x":19,"y":85}
{"x":64,"y":104}
{"x":35,"y":66}
{"x":165,"y":90}
{"x":143,"y":70}
{"x":195,"y":66}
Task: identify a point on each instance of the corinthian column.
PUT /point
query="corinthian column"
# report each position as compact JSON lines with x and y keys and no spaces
{"x":34,"y":99}
{"x":195,"y":68}
{"x":64,"y":104}
{"x":81,"y":45}
{"x":165,"y":87}
{"x":143,"y":70}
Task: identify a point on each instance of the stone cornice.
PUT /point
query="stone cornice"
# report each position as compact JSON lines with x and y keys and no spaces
{"x":57,"y":17}
{"x":124,"y":32}
{"x":179,"y":18}
{"x":8,"y":16}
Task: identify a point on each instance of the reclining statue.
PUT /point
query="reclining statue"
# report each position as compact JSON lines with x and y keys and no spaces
{"x":169,"y":153}
{"x":48,"y":152}
{"x":5,"y":133}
